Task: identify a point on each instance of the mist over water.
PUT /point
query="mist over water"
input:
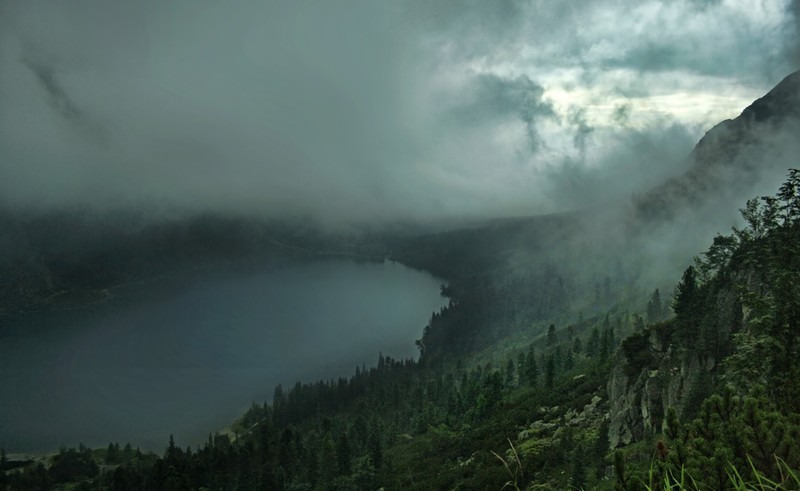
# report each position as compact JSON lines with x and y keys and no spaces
{"x":191,"y":362}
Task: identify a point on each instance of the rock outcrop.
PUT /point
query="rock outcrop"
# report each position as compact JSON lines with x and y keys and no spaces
{"x":640,"y":396}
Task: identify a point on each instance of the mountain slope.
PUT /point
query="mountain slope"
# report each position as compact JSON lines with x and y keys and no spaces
{"x":736,"y":334}
{"x":520,"y":367}
{"x":736,"y":159}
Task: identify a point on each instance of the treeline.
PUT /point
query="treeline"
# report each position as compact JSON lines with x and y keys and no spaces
{"x":487,"y":307}
{"x":507,"y":276}
{"x":534,"y":415}
{"x":430,"y":424}
{"x":740,"y":307}
{"x":399,"y":425}
{"x":72,"y":253}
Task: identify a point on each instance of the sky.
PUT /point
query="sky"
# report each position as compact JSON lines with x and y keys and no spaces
{"x":361,"y":110}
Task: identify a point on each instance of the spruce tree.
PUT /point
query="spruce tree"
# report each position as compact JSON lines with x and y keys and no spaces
{"x":593,"y":346}
{"x":375,"y":450}
{"x":552,"y":338}
{"x":550,"y":372}
{"x":686,"y":306}
{"x":531,"y":368}
{"x":510,"y":373}
{"x":577,"y":478}
{"x":654,"y":308}
{"x":344,"y":456}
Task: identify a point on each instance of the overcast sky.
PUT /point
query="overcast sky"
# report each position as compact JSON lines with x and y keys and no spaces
{"x":372,"y":110}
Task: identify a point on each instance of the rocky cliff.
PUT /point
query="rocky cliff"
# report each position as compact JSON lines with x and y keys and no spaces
{"x":639,"y":398}
{"x":676,"y":363}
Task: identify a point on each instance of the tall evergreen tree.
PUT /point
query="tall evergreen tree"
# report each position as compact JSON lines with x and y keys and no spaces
{"x":375,"y":449}
{"x":654,"y":308}
{"x":577,"y":478}
{"x":593,"y":346}
{"x":569,"y":361}
{"x":686,"y":305}
{"x":552,"y":337}
{"x":328,"y":463}
{"x":550,"y":372}
{"x":577,"y":346}
{"x":510,"y":373}
{"x":531,"y":369}
{"x":344,"y":456}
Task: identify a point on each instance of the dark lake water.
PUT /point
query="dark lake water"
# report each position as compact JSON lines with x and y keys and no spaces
{"x":189,"y":361}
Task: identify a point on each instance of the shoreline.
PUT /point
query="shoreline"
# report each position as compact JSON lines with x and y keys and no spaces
{"x":78,"y":299}
{"x":119,"y":295}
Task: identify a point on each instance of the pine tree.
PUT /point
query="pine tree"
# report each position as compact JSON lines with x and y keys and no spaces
{"x":558,"y":359}
{"x":686,"y":306}
{"x":531,"y":369}
{"x":374,"y":449}
{"x":344,"y":456}
{"x":510,"y":375}
{"x":550,"y":372}
{"x":328,"y":465}
{"x":601,"y":448}
{"x":654,"y":308}
{"x":577,"y":478}
{"x":577,"y":346}
{"x":552,"y":338}
{"x":593,"y":346}
{"x":605,"y":345}
{"x":112,"y":454}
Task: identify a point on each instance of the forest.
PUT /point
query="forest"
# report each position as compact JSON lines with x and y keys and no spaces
{"x":531,"y":415}
{"x":215,"y":217}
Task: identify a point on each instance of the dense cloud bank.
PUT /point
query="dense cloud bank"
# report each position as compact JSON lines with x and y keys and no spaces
{"x":371,"y":110}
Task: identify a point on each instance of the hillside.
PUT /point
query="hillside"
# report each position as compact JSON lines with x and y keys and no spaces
{"x":735,"y":160}
{"x":727,"y":364}
{"x":557,"y":364}
{"x":60,"y":259}
{"x":548,"y":413}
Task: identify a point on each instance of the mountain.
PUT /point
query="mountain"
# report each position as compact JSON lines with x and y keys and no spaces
{"x":735,"y":159}
{"x":727,"y":363}
{"x":557,"y":364}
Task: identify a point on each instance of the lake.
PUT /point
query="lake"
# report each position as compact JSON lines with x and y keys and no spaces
{"x":188,"y":361}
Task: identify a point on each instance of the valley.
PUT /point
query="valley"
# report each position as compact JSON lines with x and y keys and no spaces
{"x":554,"y":361}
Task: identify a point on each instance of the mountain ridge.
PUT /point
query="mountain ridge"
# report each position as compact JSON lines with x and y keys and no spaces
{"x":733,"y":155}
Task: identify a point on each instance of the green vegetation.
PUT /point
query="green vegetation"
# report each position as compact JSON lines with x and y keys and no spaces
{"x":494,"y":403}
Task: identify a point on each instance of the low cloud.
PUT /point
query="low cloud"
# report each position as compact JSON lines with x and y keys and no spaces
{"x":370,"y":111}
{"x":59,"y":100}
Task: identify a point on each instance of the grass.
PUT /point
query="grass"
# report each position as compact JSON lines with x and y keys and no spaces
{"x":514,"y":475}
{"x":790,"y":480}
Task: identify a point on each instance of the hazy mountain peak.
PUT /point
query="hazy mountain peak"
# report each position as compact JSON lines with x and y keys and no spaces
{"x":779,"y":103}
{"x":721,"y":143}
{"x":737,"y":158}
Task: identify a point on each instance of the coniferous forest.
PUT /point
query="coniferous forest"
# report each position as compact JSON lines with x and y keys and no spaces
{"x":539,"y":415}
{"x":616,"y":299}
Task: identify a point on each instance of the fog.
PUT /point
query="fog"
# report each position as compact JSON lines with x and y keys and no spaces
{"x":353,"y":111}
{"x":354,"y":115}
